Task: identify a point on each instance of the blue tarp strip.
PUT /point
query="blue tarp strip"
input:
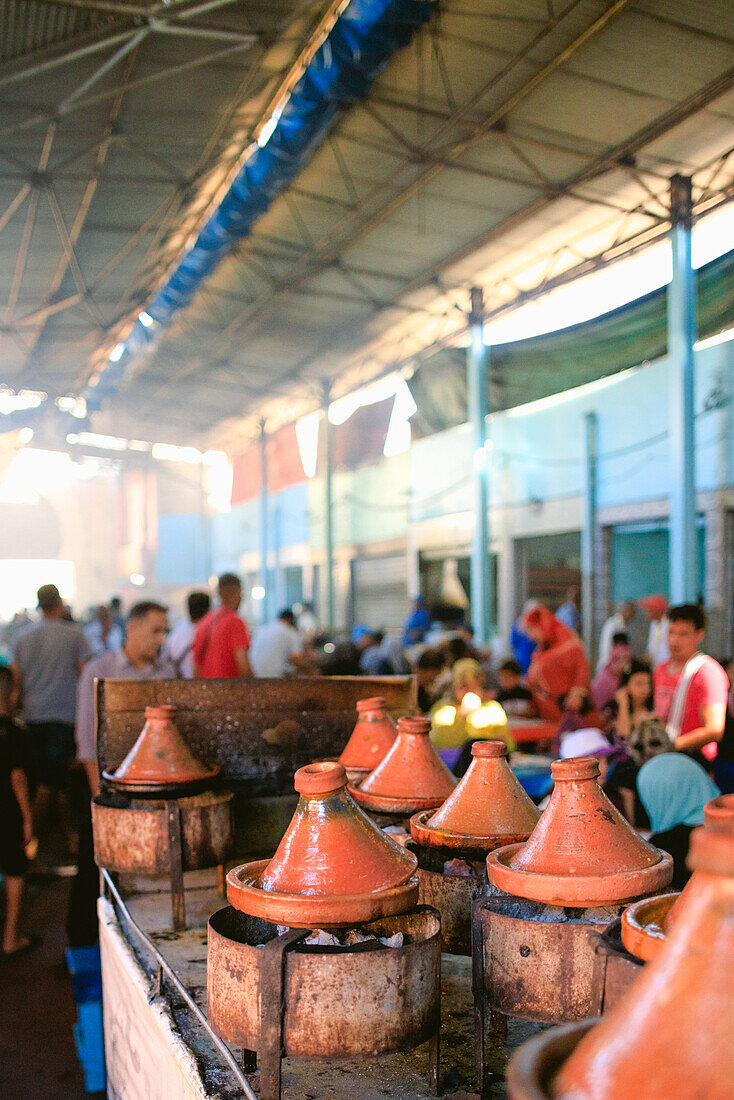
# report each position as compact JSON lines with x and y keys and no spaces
{"x":356,"y":50}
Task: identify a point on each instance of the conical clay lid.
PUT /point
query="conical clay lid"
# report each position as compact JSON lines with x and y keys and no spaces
{"x":582,"y":852}
{"x":646,"y":924}
{"x":487,"y":809}
{"x":160,"y":758}
{"x":411,"y":777}
{"x":372,"y":738}
{"x":652,"y":1044}
{"x":333,"y":865}
{"x":718,"y":814}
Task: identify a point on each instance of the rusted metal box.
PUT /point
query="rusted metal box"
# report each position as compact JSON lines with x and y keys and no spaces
{"x":258,"y":731}
{"x":135,"y":838}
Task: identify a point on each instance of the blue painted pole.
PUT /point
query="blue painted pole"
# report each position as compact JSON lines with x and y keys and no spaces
{"x":588,"y":535}
{"x":477,"y":391}
{"x":681,"y":338}
{"x":264,"y":520}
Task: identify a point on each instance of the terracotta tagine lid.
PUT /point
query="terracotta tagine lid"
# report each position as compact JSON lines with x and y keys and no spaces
{"x":651,"y":1044}
{"x":372,"y":738}
{"x":411,"y":777}
{"x":333,"y":865}
{"x":646,"y":924}
{"x":489,"y":808}
{"x":582,"y":852}
{"x":160,"y":761}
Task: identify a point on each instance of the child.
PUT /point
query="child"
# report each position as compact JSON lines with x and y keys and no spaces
{"x":577,"y":713}
{"x":515,"y":699}
{"x":16,"y":823}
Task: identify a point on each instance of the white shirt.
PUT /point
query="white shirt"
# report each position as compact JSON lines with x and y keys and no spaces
{"x":272,"y":648}
{"x":615,"y":624}
{"x":178,"y":648}
{"x":657,"y":642}
{"x":308,"y":625}
{"x":97,"y":643}
{"x":113,"y":666}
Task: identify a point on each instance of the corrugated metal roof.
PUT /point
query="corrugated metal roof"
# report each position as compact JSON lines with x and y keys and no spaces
{"x":505,"y":147}
{"x":27,"y":26}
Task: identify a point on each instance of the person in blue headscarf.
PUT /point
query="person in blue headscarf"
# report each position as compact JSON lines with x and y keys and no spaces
{"x":416,"y":625}
{"x":674,"y":789}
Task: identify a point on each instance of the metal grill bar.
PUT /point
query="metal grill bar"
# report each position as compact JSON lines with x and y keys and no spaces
{"x":164,"y":968}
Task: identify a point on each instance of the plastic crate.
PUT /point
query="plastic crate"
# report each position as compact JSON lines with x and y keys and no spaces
{"x":535,"y":782}
{"x":89,"y":1040}
{"x":85,"y":968}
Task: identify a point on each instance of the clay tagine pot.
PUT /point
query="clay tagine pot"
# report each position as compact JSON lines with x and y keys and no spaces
{"x":411,"y":777}
{"x":646,"y":923}
{"x":582,"y":852}
{"x":651,"y":1043}
{"x":160,"y":761}
{"x":372,"y":738}
{"x":333,"y":865}
{"x":488,"y":809}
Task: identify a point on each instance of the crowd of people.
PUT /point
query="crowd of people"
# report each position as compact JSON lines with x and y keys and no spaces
{"x":661,"y":722}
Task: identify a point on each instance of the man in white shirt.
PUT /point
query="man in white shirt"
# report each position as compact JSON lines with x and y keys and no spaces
{"x":178,"y":647}
{"x":307,"y":623}
{"x":138,"y":659}
{"x":276,"y":647}
{"x":103,"y":633}
{"x":655,"y":607}
{"x":615,"y":624}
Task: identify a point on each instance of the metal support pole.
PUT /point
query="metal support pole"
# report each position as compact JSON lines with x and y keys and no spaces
{"x":681,"y":338}
{"x":477,"y":390}
{"x":264,"y":520}
{"x":175,"y":863}
{"x":588,"y":534}
{"x":328,"y":511}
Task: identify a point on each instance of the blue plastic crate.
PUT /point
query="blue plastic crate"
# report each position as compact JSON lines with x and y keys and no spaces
{"x":535,"y":782}
{"x":89,"y":1040}
{"x":85,"y":968}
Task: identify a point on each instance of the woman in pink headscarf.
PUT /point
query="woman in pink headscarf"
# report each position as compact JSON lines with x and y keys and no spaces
{"x":607,"y":683}
{"x":558,"y":664}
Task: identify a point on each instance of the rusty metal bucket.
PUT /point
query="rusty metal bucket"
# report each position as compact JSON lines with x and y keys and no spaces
{"x":275,"y":995}
{"x":538,"y":963}
{"x":134,"y":837}
{"x":452,"y":895}
{"x":156,"y":837}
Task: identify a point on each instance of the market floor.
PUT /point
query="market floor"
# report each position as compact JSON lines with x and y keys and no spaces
{"x":38,"y":1059}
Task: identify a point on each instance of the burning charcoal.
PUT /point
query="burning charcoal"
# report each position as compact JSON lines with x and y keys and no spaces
{"x":458,"y":867}
{"x":319,"y":938}
{"x":601,"y":915}
{"x":353,"y":936}
{"x":393,"y":941}
{"x":551,"y":914}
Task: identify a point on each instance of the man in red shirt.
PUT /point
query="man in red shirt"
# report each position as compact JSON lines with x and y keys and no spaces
{"x":222,"y":638}
{"x":690,"y":689}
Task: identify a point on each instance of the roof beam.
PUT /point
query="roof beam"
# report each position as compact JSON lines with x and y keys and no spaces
{"x":14,"y":204}
{"x":610,"y":159}
{"x":315,"y":260}
{"x":99,"y":42}
{"x":115,"y":7}
{"x":25,"y":240}
{"x":162,"y":74}
{"x":69,"y":257}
